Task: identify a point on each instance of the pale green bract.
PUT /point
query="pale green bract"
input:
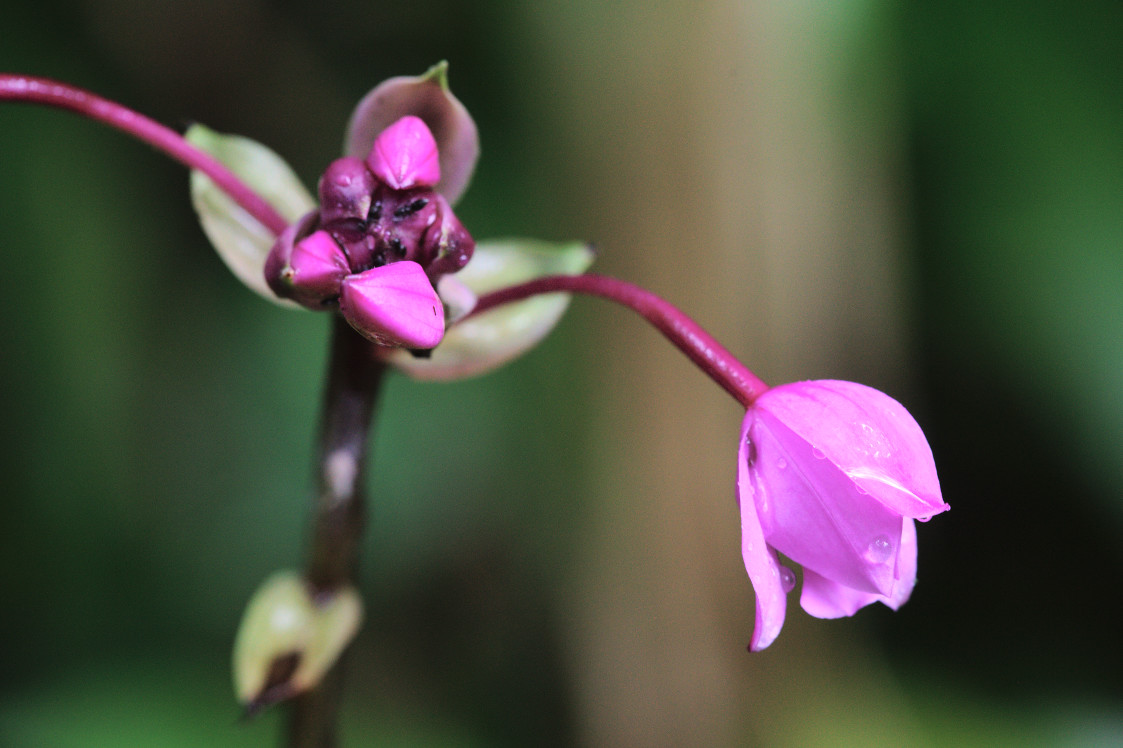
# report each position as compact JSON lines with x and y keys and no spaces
{"x":241,"y":241}
{"x":282,"y":620}
{"x":480,"y":344}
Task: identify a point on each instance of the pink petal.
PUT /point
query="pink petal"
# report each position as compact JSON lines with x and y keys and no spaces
{"x":906,"y":567}
{"x":394,"y":305}
{"x":823,"y":598}
{"x":760,"y":561}
{"x":869,"y":436}
{"x":345,"y":190}
{"x":318,"y":265}
{"x":405,"y":155}
{"x":278,"y":269}
{"x":813,"y":513}
{"x":428,"y":97}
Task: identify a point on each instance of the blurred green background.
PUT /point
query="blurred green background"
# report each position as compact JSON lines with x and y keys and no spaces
{"x":924,"y":197}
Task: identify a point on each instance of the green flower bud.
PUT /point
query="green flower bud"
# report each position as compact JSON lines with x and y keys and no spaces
{"x":289,"y":639}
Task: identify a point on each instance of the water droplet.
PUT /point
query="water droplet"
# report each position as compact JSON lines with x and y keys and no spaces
{"x":818,"y":454}
{"x":787,"y":579}
{"x":781,"y":463}
{"x":879,"y":550}
{"x":858,"y":487}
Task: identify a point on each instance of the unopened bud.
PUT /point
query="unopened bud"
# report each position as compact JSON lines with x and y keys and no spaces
{"x":449,"y":244}
{"x":288,"y":640}
{"x":316,"y":268}
{"x":404,"y":155}
{"x":345,"y":191}
{"x":394,"y":305}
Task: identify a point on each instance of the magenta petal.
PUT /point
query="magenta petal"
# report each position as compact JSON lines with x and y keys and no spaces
{"x":405,"y":155}
{"x":394,"y":305}
{"x":814,"y":514}
{"x":428,"y":97}
{"x":906,"y":567}
{"x":278,"y":269}
{"x":317,"y":266}
{"x":869,"y":436}
{"x":823,"y":598}
{"x":760,"y":560}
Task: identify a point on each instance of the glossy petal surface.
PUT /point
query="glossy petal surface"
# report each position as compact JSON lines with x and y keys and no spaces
{"x":760,"y":561}
{"x":823,"y":598}
{"x":317,"y":267}
{"x":813,"y":513}
{"x":394,"y":305}
{"x":866,"y":434}
{"x":428,"y":97}
{"x":405,"y":155}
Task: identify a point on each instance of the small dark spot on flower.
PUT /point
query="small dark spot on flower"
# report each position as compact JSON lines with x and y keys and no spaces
{"x":398,"y":247}
{"x":410,"y":208}
{"x":375,"y":211}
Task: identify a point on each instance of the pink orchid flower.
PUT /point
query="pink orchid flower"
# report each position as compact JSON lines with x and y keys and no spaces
{"x":831,"y":474}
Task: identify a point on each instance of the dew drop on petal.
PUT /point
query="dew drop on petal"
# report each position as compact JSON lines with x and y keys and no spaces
{"x":818,"y":454}
{"x":787,"y":579}
{"x":781,"y":463}
{"x":879,"y":550}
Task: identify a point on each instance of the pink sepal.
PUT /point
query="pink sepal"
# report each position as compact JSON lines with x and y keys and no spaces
{"x":405,"y":155}
{"x":317,"y":266}
{"x":394,"y":305}
{"x":760,"y":560}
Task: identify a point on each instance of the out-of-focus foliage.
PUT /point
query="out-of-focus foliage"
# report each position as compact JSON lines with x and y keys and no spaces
{"x":158,"y":419}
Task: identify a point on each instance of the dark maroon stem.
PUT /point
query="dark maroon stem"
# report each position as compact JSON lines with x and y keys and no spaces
{"x":708,"y":354}
{"x":63,"y":96}
{"x":353,"y":378}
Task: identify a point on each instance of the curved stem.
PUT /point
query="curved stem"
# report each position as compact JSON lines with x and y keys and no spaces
{"x":686,"y":334}
{"x":24,"y":88}
{"x":353,"y":379}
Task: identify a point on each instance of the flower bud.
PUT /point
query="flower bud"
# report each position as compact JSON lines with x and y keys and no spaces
{"x":429,"y":97}
{"x":404,"y":155}
{"x":449,"y":245}
{"x":394,"y":305}
{"x":345,"y":191}
{"x":287,"y":640}
{"x":316,"y":268}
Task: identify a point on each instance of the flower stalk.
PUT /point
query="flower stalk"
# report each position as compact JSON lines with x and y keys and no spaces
{"x":354,"y":376}
{"x":33,"y":90}
{"x":710,"y":356}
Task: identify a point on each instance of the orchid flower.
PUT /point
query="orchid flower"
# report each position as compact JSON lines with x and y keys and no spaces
{"x":831,"y":474}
